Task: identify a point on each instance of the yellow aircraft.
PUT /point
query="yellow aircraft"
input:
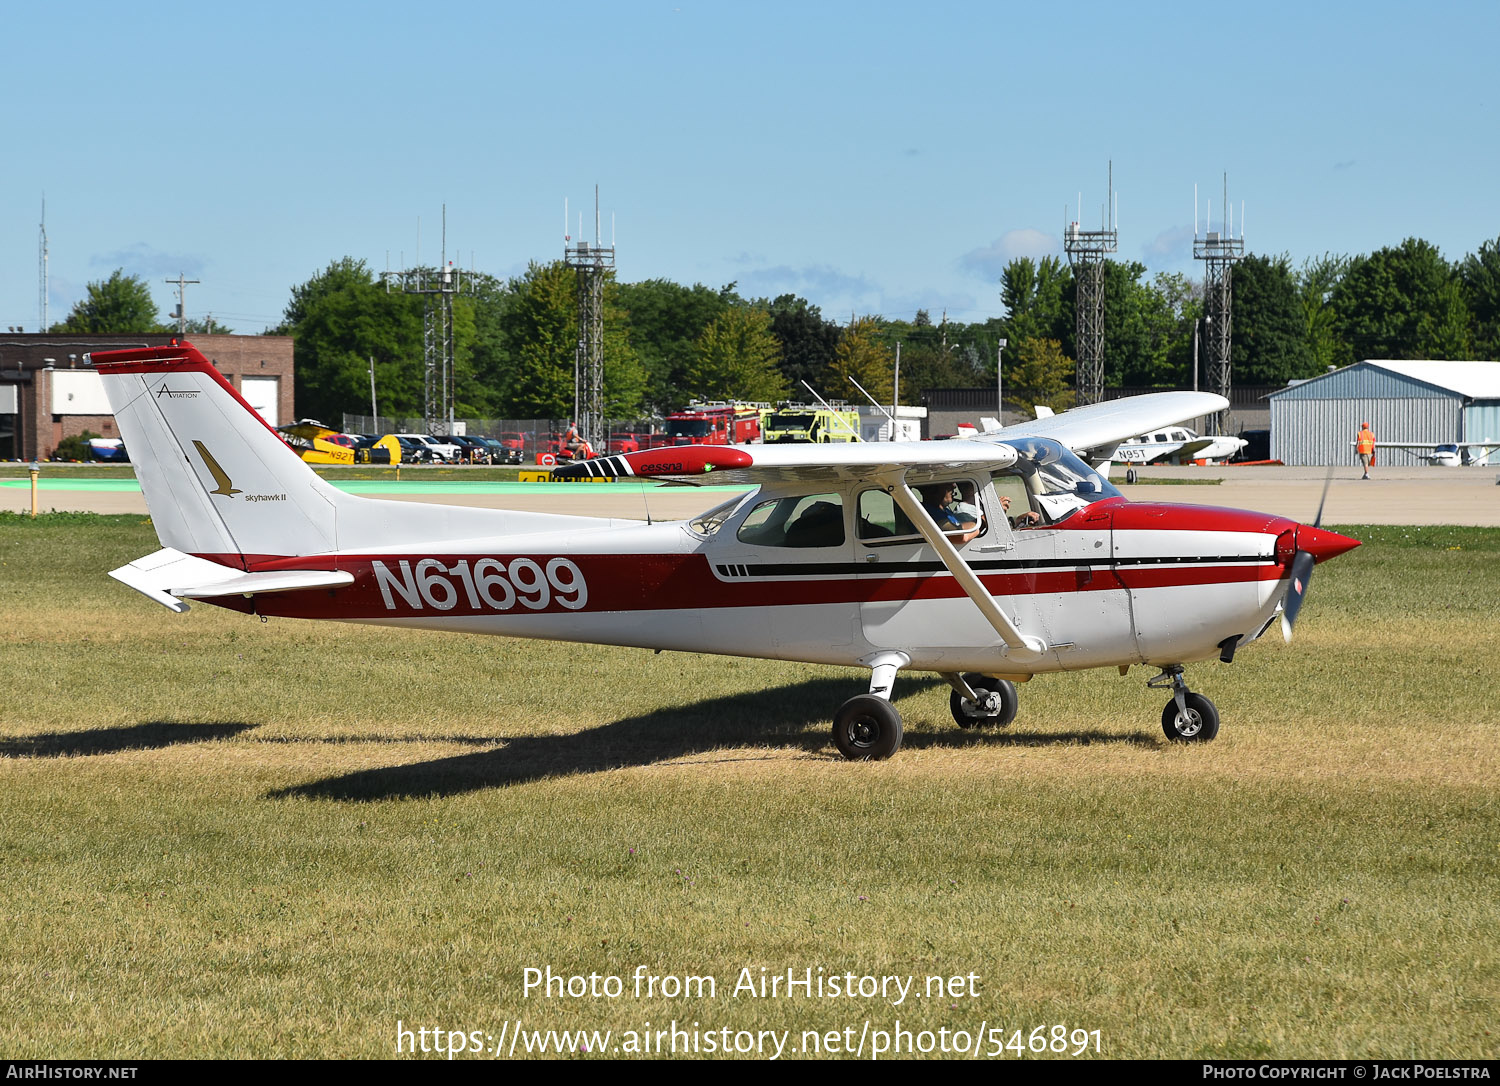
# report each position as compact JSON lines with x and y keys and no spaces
{"x":316,"y":443}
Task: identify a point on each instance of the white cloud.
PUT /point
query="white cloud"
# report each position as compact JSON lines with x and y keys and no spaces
{"x":143,"y":259}
{"x":825,"y":286}
{"x":988,"y":262}
{"x":1172,"y":245}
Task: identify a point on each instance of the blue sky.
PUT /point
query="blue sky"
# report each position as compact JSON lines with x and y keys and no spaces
{"x":872,"y":157}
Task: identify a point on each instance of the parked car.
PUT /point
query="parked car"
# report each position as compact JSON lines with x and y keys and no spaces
{"x":441,"y":451}
{"x":500,"y":453}
{"x":514,"y":439}
{"x":471,"y":450}
{"x":414,"y":451}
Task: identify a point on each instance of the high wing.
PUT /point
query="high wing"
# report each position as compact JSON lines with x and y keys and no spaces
{"x":1493,"y":444}
{"x":810,"y":463}
{"x":1093,"y":431}
{"x":1451,"y":453}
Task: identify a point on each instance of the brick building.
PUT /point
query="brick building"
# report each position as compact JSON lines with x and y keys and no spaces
{"x":48,"y":393}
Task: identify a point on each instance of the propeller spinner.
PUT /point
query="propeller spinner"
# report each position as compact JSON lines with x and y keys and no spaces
{"x":1314,"y":544}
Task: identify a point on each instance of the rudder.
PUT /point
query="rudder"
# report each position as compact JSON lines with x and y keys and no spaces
{"x":218,"y":481}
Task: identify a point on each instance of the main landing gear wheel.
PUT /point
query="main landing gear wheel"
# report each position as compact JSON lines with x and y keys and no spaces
{"x":1198,"y":725}
{"x":867,"y":728}
{"x":995,"y":709}
{"x":1130,"y":476}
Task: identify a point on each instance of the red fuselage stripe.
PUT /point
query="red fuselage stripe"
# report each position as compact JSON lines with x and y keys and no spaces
{"x":671,"y":582}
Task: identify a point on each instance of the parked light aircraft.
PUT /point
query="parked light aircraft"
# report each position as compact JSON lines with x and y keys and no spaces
{"x":1451,"y":454}
{"x":832,"y":559}
{"x":1176,"y":443}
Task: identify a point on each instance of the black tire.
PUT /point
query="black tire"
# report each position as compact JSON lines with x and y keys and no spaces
{"x":983,"y":684}
{"x":1201,"y":725}
{"x":867,"y":728}
{"x":1130,"y":476}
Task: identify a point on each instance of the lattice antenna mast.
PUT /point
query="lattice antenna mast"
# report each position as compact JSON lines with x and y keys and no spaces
{"x":438,"y":287}
{"x":1086,"y":251}
{"x":42,"y":270}
{"x":591,"y":264}
{"x":1219,"y":250}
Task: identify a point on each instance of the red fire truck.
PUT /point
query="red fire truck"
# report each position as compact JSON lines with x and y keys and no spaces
{"x":715,"y":423}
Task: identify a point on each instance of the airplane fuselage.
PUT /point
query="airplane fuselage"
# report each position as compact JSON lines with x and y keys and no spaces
{"x":1115,"y":583}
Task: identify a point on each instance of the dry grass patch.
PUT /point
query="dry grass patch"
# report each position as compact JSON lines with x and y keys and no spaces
{"x":228,"y":838}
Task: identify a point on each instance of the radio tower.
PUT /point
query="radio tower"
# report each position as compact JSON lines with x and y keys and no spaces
{"x":591,"y":263}
{"x":1218,"y":250}
{"x":438,"y":288}
{"x":1086,"y":251}
{"x":42,"y":270}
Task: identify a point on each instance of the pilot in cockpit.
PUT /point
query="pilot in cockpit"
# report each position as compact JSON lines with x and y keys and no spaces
{"x":959,"y":521}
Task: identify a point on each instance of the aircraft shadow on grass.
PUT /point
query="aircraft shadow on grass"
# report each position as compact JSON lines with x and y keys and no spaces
{"x":793,"y":716}
{"x":152,"y":736}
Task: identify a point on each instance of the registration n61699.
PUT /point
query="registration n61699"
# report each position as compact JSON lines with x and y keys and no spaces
{"x":489,"y":584}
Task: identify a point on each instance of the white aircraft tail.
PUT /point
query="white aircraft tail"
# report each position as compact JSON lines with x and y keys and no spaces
{"x":218,"y":481}
{"x":222,"y":485}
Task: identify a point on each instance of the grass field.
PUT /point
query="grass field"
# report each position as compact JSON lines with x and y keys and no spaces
{"x":229,"y":838}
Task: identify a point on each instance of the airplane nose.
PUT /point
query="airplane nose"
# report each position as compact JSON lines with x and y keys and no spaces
{"x":1323,"y":544}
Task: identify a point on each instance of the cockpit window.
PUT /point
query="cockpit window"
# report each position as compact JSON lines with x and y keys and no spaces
{"x":810,"y":520}
{"x":1059,"y":482}
{"x":953,"y":505}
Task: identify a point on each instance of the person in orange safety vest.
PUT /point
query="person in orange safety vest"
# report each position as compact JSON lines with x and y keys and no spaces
{"x":1364,"y":445}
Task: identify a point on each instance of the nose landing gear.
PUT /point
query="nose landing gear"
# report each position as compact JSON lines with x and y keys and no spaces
{"x":1188,"y":717}
{"x":981,"y":701}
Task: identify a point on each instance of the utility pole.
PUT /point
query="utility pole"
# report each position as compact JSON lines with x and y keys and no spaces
{"x":181,"y":314}
{"x":999,"y":384}
{"x":42,"y":269}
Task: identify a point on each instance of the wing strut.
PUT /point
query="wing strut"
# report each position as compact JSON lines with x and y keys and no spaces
{"x":1024,"y":645}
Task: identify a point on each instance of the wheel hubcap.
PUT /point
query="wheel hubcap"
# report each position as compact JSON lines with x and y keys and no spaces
{"x":1189,"y":723}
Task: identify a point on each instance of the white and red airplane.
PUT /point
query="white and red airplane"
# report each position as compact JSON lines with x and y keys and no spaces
{"x":832,"y":559}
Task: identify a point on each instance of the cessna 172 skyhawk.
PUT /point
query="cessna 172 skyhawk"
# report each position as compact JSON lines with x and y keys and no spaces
{"x":834,"y":559}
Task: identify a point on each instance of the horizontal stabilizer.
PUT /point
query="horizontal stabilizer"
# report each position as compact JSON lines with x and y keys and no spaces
{"x":169,"y":574}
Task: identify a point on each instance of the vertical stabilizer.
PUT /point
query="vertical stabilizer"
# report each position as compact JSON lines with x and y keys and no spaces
{"x":219,"y":482}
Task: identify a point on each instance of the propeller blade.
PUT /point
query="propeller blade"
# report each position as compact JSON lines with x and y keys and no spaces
{"x":1327,"y":482}
{"x":1302,"y":568}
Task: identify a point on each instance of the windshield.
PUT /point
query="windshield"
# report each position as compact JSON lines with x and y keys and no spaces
{"x":1059,"y":481}
{"x":710,"y":522}
{"x":792,"y":422}
{"x":688,"y":427}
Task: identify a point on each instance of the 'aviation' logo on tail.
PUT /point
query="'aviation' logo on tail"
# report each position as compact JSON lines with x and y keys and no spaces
{"x":226,"y":486}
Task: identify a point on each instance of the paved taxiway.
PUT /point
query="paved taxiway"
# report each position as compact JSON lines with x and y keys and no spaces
{"x":1415,"y":495}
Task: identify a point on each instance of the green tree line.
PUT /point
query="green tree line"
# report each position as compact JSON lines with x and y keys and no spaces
{"x":665,"y":343}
